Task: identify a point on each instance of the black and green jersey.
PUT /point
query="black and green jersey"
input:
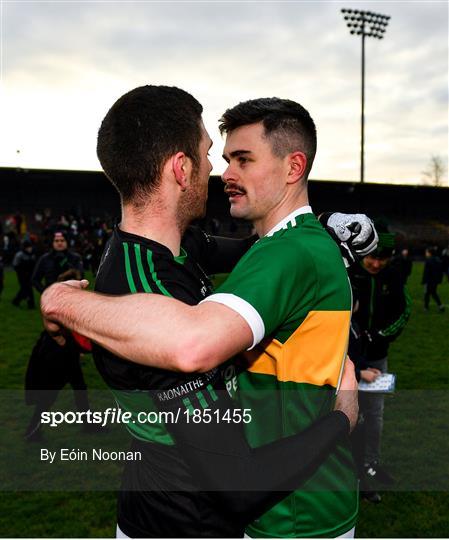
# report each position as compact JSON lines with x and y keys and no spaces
{"x":157,"y":495}
{"x":293,"y":290}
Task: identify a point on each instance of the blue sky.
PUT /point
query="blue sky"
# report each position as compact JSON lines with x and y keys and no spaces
{"x":65,"y":63}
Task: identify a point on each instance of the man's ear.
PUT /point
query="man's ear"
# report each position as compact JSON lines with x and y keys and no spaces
{"x":297,"y":162}
{"x":182,"y":169}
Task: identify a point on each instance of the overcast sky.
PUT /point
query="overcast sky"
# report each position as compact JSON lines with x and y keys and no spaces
{"x":65,"y":63}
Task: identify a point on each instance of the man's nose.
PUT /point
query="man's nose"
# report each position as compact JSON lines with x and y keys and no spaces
{"x":227,"y":174}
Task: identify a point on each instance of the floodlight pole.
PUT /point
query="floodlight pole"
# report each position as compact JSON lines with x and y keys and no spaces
{"x":362,"y":134}
{"x":364,"y":24}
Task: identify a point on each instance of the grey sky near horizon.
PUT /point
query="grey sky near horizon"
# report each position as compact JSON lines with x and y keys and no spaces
{"x":65,"y":63}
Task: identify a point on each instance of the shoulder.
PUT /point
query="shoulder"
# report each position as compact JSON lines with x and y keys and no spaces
{"x":74,"y":255}
{"x":195,"y":240}
{"x":45,"y":258}
{"x":282,"y":246}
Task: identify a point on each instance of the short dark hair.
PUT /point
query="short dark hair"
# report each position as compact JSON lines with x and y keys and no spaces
{"x":141,"y":131}
{"x":287,"y":124}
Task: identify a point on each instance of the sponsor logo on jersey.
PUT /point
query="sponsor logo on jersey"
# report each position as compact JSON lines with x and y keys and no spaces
{"x":186,"y":388}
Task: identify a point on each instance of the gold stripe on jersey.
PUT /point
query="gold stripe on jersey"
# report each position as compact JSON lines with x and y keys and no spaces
{"x":313,"y":354}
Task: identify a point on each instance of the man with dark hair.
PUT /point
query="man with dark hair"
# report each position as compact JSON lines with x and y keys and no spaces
{"x":132,"y":150}
{"x":384,"y":309}
{"x":289,"y":290}
{"x":58,"y":264}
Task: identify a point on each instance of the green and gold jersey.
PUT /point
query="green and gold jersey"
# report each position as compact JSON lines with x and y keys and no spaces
{"x":293,"y":290}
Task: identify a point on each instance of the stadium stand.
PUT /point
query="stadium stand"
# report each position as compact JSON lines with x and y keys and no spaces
{"x":417,"y":213}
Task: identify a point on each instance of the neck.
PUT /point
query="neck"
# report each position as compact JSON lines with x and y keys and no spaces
{"x":155,"y":222}
{"x":277,"y":214}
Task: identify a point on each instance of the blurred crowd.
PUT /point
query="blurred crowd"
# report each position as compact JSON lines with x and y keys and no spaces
{"x":86,"y":234}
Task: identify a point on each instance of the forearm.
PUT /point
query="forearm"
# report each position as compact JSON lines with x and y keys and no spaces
{"x":246,"y":482}
{"x":147,"y":329}
{"x":395,"y":328}
{"x":37,"y":285}
{"x":36,"y":280}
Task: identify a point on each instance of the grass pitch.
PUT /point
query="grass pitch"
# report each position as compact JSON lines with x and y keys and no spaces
{"x":415,"y":444}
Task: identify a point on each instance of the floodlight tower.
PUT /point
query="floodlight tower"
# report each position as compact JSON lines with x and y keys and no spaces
{"x":365,"y":24}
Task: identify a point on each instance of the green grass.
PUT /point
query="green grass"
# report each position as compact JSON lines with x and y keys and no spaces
{"x":414,"y":445}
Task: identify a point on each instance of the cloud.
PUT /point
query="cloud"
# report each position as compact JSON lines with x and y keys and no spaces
{"x":68,"y":62}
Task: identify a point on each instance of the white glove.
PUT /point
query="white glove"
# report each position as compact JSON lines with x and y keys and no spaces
{"x":355,"y":232}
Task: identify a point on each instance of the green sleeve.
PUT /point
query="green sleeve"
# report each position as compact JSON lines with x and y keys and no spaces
{"x":278,"y":278}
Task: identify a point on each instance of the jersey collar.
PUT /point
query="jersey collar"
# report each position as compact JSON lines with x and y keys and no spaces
{"x":290,"y":218}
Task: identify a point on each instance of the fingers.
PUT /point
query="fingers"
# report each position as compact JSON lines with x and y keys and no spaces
{"x":60,"y":340}
{"x":77,"y":284}
{"x":55,"y":332}
{"x":349,"y":363}
{"x":348,"y":380}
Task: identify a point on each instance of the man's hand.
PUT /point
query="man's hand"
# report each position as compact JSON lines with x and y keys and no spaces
{"x":355,"y":234}
{"x":347,"y":401}
{"x":49,"y":296}
{"x":369,"y":375}
{"x":71,"y":274}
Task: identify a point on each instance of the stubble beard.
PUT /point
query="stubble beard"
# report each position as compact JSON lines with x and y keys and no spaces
{"x":192,"y":206}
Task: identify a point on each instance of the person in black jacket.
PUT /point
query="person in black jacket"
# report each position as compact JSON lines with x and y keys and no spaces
{"x":59,"y":264}
{"x":432,"y":277}
{"x":384,"y":308}
{"x":404,"y":264}
{"x":23,"y":263}
{"x":52,"y":366}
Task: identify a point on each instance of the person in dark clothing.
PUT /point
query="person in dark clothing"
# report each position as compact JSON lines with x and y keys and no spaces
{"x":445,"y":261}
{"x":356,"y":351}
{"x":384,"y":308}
{"x":2,"y":277}
{"x":404,"y":264}
{"x":432,"y":277}
{"x":52,"y":366}
{"x":59,"y":264}
{"x":23,"y":263}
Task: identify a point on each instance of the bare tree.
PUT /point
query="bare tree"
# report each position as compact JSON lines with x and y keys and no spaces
{"x":435,"y":171}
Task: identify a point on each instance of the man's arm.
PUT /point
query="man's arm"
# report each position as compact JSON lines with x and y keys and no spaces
{"x":151,"y":329}
{"x":215,"y":254}
{"x":247,"y":481}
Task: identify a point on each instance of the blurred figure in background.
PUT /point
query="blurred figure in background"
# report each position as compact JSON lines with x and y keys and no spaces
{"x":403,"y":261}
{"x":23,"y":263}
{"x":445,"y":261}
{"x":2,"y":278}
{"x":432,"y":277}
{"x":383,"y":311}
{"x":52,"y":366}
{"x":59,"y":264}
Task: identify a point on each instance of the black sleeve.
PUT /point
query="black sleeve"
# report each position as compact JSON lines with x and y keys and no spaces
{"x":38,"y":275}
{"x":215,"y":254}
{"x":245,"y":482}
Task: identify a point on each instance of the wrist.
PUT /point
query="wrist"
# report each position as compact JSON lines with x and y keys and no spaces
{"x":50,"y":300}
{"x":344,"y":420}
